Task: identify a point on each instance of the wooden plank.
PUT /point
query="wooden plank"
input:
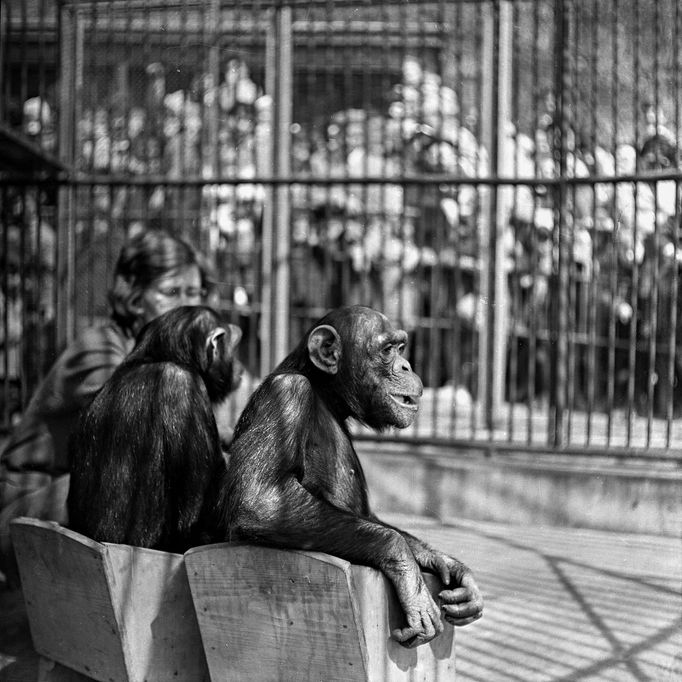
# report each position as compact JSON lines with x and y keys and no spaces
{"x":380,"y":613}
{"x":113,"y":612}
{"x":153,"y":605}
{"x":67,"y":598}
{"x":51,"y":671}
{"x":269,"y":614}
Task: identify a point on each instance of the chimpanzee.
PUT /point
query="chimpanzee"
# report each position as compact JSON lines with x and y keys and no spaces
{"x":146,"y":453}
{"x":295,"y":481}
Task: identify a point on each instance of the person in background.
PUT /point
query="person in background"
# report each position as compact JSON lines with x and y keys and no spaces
{"x":155,"y":272}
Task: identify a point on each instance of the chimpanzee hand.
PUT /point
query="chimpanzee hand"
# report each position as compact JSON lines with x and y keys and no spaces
{"x":421,"y":611}
{"x":463,"y":604}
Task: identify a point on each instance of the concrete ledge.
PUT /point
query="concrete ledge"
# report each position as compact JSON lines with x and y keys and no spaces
{"x":561,"y":491}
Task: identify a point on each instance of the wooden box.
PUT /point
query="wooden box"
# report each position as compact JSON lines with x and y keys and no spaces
{"x":269,"y":614}
{"x":114,"y":613}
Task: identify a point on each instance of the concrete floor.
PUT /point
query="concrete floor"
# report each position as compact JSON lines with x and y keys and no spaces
{"x":567,"y":604}
{"x":561,"y":604}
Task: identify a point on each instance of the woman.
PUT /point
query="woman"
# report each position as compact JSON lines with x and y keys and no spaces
{"x":155,"y":272}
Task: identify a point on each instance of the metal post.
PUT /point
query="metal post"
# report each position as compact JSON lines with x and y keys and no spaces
{"x":282,"y":247}
{"x":71,"y":31}
{"x":274,"y":329}
{"x":561,"y":307}
{"x":494,"y":296}
{"x":267,"y":168}
{"x":4,"y":30}
{"x":504,"y":201}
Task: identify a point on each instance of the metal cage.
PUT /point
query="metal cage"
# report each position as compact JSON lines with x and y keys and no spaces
{"x":501,"y":177}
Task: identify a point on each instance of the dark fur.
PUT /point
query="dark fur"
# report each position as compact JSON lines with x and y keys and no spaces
{"x":146,"y":451}
{"x":294,"y":479}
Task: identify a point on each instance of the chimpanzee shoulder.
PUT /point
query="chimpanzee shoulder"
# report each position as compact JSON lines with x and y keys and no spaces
{"x":288,"y":395}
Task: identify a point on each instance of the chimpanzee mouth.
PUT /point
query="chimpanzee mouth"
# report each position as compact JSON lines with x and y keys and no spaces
{"x":410,"y":402}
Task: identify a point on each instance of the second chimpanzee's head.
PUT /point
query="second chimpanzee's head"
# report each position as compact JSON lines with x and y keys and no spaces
{"x":357,"y":356}
{"x":194,"y":337}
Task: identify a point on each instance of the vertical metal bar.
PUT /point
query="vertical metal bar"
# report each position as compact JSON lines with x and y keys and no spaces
{"x":23,"y":313}
{"x":653,"y":307}
{"x":670,"y":314}
{"x":504,"y":196}
{"x":511,"y":165}
{"x":59,"y":190}
{"x":4,"y":322}
{"x":591,"y":284}
{"x":612,"y":255}
{"x":616,"y":270}
{"x":214,"y":71}
{"x":533,"y":247}
{"x":23,"y":58}
{"x":362,"y":288}
{"x":633,"y":350}
{"x":573,"y":318}
{"x":283,"y":110}
{"x":487,"y":254}
{"x":267,"y":164}
{"x":42,"y":29}
{"x":675,"y":340}
{"x":5,"y":25}
{"x":456,"y":355}
{"x":494,"y":286}
{"x":71,"y":90}
{"x":562,"y":85}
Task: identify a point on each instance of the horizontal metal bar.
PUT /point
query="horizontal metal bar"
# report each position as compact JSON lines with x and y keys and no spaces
{"x":435,"y":179}
{"x":249,"y":4}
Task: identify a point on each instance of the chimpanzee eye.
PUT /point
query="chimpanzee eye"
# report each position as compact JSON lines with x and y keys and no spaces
{"x":401,"y":348}
{"x":387,"y":352}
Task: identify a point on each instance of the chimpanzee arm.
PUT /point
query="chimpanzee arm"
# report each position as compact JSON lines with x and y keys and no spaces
{"x":288,"y":515}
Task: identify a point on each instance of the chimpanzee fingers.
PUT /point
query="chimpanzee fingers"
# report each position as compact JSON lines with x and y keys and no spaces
{"x":421,"y":628}
{"x":411,"y":637}
{"x":459,"y":594}
{"x":443,"y":570}
{"x":464,"y":610}
{"x":461,"y":607}
{"x":459,"y":622}
{"x":469,"y":582}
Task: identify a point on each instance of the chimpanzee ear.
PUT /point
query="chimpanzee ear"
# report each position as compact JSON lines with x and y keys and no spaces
{"x":324,"y":348}
{"x":235,"y":335}
{"x":134,"y":304}
{"x":213,"y":340}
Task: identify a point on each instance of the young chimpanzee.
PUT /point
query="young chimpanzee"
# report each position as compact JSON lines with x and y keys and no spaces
{"x":146,"y":457}
{"x":295,"y":481}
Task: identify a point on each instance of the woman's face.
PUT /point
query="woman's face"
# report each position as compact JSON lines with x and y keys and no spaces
{"x":180,"y":287}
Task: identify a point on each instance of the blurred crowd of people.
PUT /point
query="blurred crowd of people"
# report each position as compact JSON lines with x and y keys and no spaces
{"x":412,"y":250}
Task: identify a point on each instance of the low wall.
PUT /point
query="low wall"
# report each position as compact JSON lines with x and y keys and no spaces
{"x":526,"y":489}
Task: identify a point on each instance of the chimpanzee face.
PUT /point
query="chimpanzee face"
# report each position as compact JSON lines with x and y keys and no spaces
{"x":224,"y":373}
{"x":363,"y":352}
{"x":393,"y":390}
